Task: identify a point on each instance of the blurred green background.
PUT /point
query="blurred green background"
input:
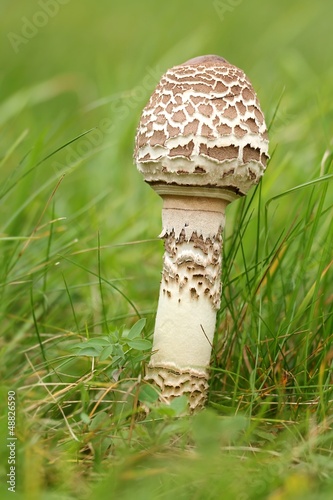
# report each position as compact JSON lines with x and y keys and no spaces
{"x":102,"y":59}
{"x":79,"y":253}
{"x":69,"y":66}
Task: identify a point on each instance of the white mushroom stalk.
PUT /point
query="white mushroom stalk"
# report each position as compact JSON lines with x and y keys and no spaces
{"x":201,"y":143}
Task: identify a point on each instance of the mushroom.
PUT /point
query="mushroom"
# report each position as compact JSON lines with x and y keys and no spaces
{"x":201,"y":143}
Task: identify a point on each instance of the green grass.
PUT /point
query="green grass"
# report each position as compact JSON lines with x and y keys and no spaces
{"x":81,"y":261}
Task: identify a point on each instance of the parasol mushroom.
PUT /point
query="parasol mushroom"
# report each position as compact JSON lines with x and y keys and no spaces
{"x":201,"y":143}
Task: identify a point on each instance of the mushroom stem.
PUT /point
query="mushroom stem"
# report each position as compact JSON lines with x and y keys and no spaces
{"x":189,"y":294}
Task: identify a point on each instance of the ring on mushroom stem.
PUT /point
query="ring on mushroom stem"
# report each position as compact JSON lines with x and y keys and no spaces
{"x":201,"y":143}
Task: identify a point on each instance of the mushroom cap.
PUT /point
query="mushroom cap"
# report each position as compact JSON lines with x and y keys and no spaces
{"x":202,"y":127}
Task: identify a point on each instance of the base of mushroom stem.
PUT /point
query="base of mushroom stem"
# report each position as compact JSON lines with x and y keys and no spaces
{"x":173,"y":382}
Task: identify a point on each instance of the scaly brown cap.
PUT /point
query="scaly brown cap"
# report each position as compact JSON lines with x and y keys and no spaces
{"x":203,"y":126}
